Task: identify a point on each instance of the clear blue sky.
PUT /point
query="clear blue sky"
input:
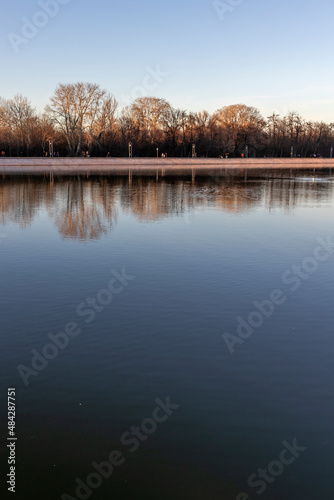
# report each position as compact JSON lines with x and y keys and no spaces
{"x":275,"y":55}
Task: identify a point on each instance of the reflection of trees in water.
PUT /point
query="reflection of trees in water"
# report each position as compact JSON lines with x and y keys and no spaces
{"x":21,"y":201}
{"x":151,"y":200}
{"x":86,"y":208}
{"x":294,"y":192}
{"x":81,"y":209}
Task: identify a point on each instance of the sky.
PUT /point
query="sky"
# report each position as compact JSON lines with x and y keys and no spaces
{"x":198,"y":54}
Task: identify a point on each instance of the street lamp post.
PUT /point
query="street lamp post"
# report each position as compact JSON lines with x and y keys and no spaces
{"x":194,"y":150}
{"x":246,"y":152}
{"x":157,"y":152}
{"x":130,"y":149}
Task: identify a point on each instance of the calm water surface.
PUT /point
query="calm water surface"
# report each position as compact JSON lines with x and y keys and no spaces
{"x":201,"y":251}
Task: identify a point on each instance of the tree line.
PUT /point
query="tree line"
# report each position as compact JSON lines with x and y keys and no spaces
{"x":84,"y":119}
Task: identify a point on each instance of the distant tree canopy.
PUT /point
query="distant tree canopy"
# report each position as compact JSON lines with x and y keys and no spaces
{"x":83,"y":117}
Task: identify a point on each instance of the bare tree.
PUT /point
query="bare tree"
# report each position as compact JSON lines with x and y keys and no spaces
{"x":103,"y":123}
{"x":173,"y":121}
{"x":21,"y":118}
{"x":76,"y":110}
{"x":241,"y":125}
{"x":128,"y":126}
{"x":4,"y":128}
{"x":44,"y":132}
{"x":147,"y":113}
{"x":272,"y":130}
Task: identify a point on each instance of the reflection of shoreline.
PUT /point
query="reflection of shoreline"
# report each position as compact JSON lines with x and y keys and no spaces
{"x":86,"y":208}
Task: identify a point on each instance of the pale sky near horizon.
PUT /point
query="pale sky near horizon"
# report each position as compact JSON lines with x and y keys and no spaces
{"x":275,"y":56}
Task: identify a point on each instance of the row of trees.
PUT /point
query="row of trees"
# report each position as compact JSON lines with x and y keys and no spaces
{"x":83,"y":117}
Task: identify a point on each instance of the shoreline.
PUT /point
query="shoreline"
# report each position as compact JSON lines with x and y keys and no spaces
{"x":121,"y":166}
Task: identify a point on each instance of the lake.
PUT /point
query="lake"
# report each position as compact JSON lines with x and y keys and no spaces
{"x":169,"y":337}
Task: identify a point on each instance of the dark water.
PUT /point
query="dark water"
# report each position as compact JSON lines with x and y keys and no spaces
{"x":198,"y":253}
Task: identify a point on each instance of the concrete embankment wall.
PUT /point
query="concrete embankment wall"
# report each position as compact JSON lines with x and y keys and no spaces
{"x":121,"y":166}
